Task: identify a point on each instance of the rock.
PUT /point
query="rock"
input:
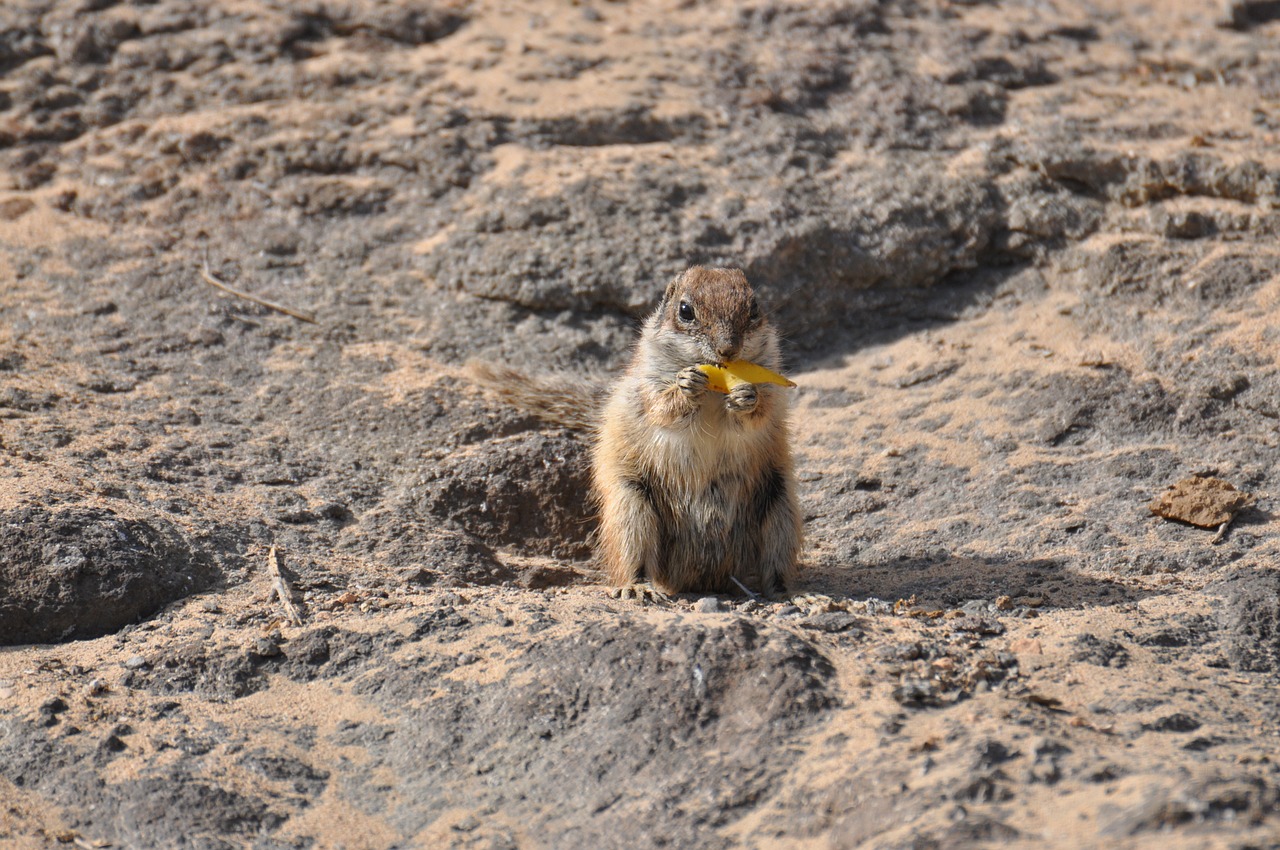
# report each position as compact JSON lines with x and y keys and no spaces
{"x":530,"y":491}
{"x":726,"y":688}
{"x":1201,"y":501}
{"x":265,"y":647}
{"x":1023,"y":259}
{"x":709,"y":605}
{"x":1246,"y":14}
{"x":832,"y":622}
{"x":112,"y":744}
{"x":979,"y":625}
{"x":1250,"y":618}
{"x":1092,"y":649}
{"x":1207,"y":797}
{"x":75,"y":573}
{"x":50,"y":709}
{"x":1176,"y":722}
{"x":15,"y":208}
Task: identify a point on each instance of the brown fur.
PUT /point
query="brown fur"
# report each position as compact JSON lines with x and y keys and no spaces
{"x":562,"y":401}
{"x":695,"y":487}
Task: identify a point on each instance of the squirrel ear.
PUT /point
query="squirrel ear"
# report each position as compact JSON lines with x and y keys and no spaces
{"x":671,"y":291}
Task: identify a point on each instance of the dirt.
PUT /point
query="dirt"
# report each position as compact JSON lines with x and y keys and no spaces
{"x":1024,"y":259}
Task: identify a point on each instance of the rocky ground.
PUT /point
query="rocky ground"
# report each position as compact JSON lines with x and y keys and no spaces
{"x":1025,"y":258}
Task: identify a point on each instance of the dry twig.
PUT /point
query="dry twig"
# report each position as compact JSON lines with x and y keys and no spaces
{"x":1222,"y":532}
{"x":279,"y":308}
{"x":282,"y":588}
{"x":751,"y":594}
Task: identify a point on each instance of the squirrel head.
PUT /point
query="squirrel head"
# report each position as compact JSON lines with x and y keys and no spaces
{"x":716,"y":312}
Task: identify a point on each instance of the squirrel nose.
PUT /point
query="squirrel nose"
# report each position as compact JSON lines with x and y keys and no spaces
{"x":727,"y":349}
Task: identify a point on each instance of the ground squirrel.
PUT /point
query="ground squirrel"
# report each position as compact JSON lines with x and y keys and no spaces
{"x":695,"y":488}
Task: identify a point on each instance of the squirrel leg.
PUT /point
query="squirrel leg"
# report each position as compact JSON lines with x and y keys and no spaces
{"x":628,"y":529}
{"x":776,"y":526}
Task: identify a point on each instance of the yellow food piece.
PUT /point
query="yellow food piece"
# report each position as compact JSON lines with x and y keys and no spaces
{"x":725,"y":377}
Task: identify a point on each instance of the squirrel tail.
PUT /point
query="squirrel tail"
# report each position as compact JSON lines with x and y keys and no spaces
{"x":554,"y":399}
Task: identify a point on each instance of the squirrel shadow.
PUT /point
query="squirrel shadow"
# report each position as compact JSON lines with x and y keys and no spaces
{"x":954,"y":580}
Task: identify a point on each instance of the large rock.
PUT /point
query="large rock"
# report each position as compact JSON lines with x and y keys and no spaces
{"x":80,"y":572}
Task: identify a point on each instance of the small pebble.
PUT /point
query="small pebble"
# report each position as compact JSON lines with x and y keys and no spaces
{"x":468,"y":824}
{"x":53,"y":705}
{"x":112,"y":744}
{"x":1027,"y":646}
{"x":788,"y":611}
{"x":135,"y":662}
{"x":978,"y":625}
{"x":265,"y":647}
{"x":709,"y":605}
{"x":830,"y":621}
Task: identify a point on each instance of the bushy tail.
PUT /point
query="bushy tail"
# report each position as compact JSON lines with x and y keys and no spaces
{"x":557,"y":399}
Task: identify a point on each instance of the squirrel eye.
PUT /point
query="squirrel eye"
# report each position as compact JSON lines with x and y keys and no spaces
{"x":686,"y":311}
{"x":755,"y":310}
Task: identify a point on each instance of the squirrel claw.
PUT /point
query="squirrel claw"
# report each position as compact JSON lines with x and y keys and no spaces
{"x":692,"y":381}
{"x":742,"y":398}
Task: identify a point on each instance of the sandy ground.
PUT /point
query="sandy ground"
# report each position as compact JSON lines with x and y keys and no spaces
{"x":1024,"y":258}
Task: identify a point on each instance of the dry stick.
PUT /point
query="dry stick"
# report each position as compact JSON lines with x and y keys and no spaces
{"x":1222,"y":531}
{"x":282,"y":588}
{"x":279,"y":308}
{"x":751,"y":593}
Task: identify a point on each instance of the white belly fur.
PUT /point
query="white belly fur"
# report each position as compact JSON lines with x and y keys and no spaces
{"x":688,"y":457}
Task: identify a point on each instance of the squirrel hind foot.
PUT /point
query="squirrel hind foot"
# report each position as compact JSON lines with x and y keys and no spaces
{"x":641,"y":591}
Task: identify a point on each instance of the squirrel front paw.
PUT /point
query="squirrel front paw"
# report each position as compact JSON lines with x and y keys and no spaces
{"x":742,"y":398}
{"x":692,"y":382}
